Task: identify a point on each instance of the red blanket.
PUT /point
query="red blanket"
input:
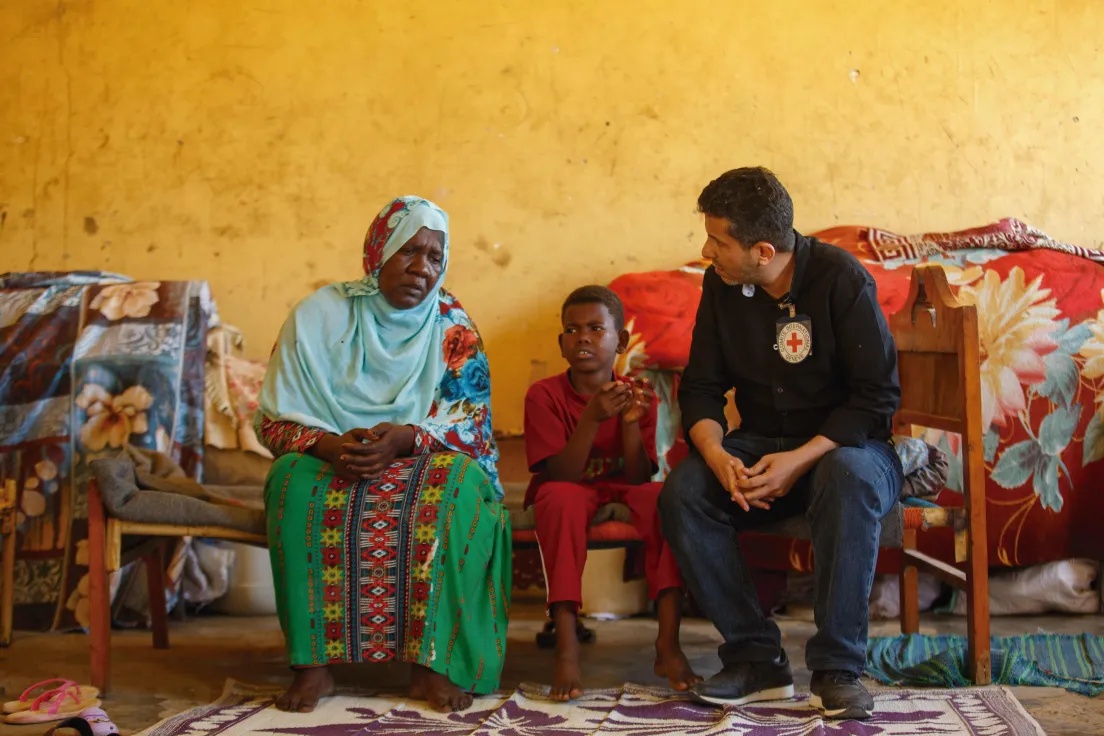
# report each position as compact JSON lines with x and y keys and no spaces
{"x":1041,"y":316}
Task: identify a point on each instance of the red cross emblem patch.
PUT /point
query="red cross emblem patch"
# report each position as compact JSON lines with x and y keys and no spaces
{"x":794,"y":342}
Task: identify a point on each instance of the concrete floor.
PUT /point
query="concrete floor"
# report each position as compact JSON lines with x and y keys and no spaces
{"x":150,"y":685}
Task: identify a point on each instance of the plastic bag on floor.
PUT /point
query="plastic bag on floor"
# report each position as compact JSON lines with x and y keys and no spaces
{"x":796,"y":601}
{"x":207,"y":572}
{"x":1065,"y":586}
{"x":885,"y":595}
{"x":885,"y":599}
{"x":130,"y":595}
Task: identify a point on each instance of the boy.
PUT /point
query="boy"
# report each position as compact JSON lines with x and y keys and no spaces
{"x":590,"y":440}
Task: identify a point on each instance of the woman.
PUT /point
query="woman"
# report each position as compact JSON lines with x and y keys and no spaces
{"x":385,"y":524}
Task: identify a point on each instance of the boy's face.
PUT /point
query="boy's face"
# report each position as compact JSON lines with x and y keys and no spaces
{"x":590,"y":341}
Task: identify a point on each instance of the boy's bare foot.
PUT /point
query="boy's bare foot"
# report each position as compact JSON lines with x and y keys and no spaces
{"x":567,"y":681}
{"x":672,"y":663}
{"x":310,"y":685}
{"x":437,"y":690}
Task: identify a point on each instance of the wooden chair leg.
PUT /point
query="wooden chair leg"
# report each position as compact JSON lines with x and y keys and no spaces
{"x":98,"y":593}
{"x":977,"y":625}
{"x":7,"y":555}
{"x":1100,"y":584}
{"x":7,"y":587}
{"x":910,"y":587}
{"x":155,"y":579}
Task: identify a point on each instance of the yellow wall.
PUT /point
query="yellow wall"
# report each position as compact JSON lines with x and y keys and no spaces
{"x":250,"y":143}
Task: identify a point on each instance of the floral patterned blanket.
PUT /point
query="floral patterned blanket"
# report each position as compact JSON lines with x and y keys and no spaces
{"x":89,"y":362}
{"x":1041,"y":315}
{"x":233,"y":386}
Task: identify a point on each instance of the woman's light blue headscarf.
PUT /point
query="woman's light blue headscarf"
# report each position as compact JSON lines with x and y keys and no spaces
{"x":346,"y":358}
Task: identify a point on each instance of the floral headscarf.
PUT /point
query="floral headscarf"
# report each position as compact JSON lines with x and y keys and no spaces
{"x":391,"y":229}
{"x":346,"y":358}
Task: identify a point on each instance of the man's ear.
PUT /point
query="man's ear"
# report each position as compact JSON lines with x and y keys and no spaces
{"x":767,"y":252}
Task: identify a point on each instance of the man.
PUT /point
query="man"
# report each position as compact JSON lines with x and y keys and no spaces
{"x":794,"y":326}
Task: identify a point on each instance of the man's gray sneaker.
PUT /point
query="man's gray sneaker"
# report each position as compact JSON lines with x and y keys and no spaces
{"x":747,"y":682}
{"x":841,"y":695}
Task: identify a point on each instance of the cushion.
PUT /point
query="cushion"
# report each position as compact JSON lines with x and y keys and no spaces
{"x":527,"y":518}
{"x":607,"y":532}
{"x":234,"y":467}
{"x":125,"y":499}
{"x":610,"y":525}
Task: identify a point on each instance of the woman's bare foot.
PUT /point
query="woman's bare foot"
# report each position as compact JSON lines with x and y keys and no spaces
{"x":567,"y":680}
{"x":672,"y":663}
{"x":438,"y":691}
{"x":310,"y":685}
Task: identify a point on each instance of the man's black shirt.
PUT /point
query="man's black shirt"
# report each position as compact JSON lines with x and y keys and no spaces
{"x":846,"y":389}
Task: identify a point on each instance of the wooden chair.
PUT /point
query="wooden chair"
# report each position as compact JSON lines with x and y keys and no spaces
{"x":7,"y":560}
{"x":939,"y":364}
{"x":108,"y":553}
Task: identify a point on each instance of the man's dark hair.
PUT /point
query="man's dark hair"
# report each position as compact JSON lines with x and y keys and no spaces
{"x":597,"y":295}
{"x":758,"y":208}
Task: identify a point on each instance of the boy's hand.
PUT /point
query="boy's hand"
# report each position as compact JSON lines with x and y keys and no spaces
{"x":611,"y":400}
{"x":642,"y":397}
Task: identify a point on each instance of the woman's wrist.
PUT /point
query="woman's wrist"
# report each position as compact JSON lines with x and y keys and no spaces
{"x":323,"y":449}
{"x":409,"y":436}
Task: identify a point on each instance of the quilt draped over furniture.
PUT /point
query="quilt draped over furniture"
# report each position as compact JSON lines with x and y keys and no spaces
{"x":89,"y":362}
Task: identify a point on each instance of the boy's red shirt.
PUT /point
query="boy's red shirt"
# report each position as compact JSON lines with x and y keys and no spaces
{"x":552,"y":411}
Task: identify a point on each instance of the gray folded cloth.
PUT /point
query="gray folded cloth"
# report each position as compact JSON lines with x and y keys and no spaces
{"x":927,"y":481}
{"x":143,"y":497}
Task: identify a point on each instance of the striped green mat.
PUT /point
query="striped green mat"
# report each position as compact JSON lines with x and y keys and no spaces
{"x":1074,"y":662}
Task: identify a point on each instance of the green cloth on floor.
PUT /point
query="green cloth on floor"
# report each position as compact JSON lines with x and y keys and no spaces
{"x":1074,"y":662}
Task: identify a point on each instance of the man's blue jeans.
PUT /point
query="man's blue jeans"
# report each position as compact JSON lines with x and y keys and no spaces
{"x":844,"y":498}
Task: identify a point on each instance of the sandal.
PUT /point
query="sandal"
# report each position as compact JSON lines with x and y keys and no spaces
{"x":53,"y":705}
{"x":89,"y":722}
{"x":26,"y":700}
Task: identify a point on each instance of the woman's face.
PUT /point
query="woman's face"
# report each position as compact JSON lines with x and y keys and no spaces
{"x":409,"y":276}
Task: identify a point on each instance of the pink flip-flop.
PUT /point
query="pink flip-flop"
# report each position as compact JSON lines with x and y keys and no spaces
{"x":54,"y":705}
{"x":26,"y":700}
{"x":89,"y":722}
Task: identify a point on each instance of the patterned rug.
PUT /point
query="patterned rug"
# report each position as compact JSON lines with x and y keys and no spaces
{"x":244,"y":710}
